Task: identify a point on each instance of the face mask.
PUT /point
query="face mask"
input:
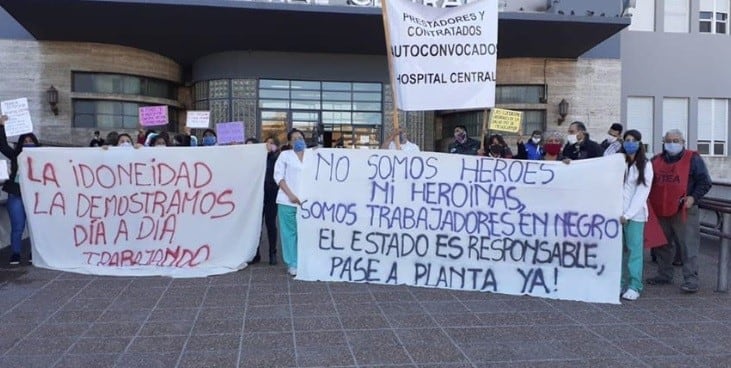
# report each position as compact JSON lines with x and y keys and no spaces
{"x":631,"y":147}
{"x":272,"y":148}
{"x":209,"y":140}
{"x":552,"y":149}
{"x":29,"y":145}
{"x":611,"y":139}
{"x":299,"y":145}
{"x":673,"y":148}
{"x":460,"y":137}
{"x":536,"y":139}
{"x":572,"y":138}
{"x":496,"y":149}
{"x":125,"y":144}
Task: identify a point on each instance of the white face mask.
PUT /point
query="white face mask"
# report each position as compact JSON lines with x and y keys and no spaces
{"x":572,"y":138}
{"x":125,"y":144}
{"x":535,"y":140}
{"x":611,"y":138}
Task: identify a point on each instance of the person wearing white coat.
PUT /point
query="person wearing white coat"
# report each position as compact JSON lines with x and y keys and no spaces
{"x":637,"y":183}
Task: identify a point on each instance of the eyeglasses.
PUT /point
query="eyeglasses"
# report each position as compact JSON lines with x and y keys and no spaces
{"x":677,"y":140}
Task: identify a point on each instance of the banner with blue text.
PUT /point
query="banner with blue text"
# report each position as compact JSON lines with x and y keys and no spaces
{"x":545,"y":229}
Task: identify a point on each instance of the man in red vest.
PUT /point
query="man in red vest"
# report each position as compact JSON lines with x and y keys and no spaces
{"x":681,"y":180}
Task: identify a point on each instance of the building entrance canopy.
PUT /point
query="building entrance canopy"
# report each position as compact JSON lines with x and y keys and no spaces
{"x":185,"y":30}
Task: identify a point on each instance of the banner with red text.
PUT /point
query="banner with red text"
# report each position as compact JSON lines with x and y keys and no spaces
{"x":181,"y":212}
{"x":539,"y":228}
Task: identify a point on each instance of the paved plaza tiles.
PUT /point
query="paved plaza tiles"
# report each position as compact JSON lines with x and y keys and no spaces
{"x":260,"y":317}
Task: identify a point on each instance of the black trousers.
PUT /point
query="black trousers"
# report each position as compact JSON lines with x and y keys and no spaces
{"x":270,"y":220}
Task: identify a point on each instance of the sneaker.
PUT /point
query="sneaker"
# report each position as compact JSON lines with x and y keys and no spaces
{"x":30,"y":258}
{"x":678,"y":263}
{"x":257,"y":259}
{"x":273,"y":261}
{"x":15,"y":259}
{"x":657,"y":280}
{"x":689,"y":288}
{"x":630,"y":294}
{"x":292,"y":271}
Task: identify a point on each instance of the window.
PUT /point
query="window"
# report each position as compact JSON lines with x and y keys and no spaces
{"x":108,"y":115}
{"x":640,"y":112}
{"x":675,"y":115}
{"x":509,"y":94}
{"x":713,"y":17}
{"x":643,"y":16}
{"x":123,"y":84}
{"x":712,"y":126}
{"x":676,"y":16}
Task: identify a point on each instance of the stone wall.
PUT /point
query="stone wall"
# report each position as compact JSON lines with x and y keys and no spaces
{"x":29,"y":68}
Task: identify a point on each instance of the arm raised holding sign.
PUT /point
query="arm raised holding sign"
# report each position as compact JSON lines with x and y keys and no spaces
{"x":16,"y":211}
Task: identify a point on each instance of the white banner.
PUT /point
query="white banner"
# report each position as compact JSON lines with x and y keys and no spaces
{"x":181,"y":212}
{"x":537,"y":228}
{"x":19,"y":121}
{"x":198,"y":119}
{"x":443,"y":58}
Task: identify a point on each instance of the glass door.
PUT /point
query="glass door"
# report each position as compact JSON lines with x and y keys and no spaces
{"x":307,"y":122}
{"x":274,"y":123}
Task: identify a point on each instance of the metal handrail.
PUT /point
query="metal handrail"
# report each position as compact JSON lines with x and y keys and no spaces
{"x":722,"y":230}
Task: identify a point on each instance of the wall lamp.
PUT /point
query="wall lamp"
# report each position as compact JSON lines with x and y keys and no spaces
{"x":52,"y":97}
{"x":563,"y":110}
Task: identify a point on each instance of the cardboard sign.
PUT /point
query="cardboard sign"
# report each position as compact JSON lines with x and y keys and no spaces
{"x":18,"y":114}
{"x":230,"y":133}
{"x":198,"y":119}
{"x":153,"y":115}
{"x":506,"y":120}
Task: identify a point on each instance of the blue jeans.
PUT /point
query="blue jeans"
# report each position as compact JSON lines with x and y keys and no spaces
{"x":16,"y":211}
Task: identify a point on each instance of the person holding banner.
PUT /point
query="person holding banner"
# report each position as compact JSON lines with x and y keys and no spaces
{"x":496,"y":147}
{"x":406,"y":146}
{"x":637,"y":181}
{"x":532,"y":149}
{"x":124,"y":140}
{"x":16,"y":211}
{"x":552,"y":146}
{"x":209,"y":137}
{"x":463,"y":144}
{"x":287,"y":172}
{"x":579,"y":145}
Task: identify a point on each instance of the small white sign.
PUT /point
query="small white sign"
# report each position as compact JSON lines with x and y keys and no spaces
{"x":198,"y":119}
{"x":19,"y":121}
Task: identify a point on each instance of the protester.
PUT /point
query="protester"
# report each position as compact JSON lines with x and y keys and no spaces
{"x":637,"y":181}
{"x":209,"y":137}
{"x":158,"y":140}
{"x":579,"y":145}
{"x":552,"y":146}
{"x":287,"y":171}
{"x":612,"y":144}
{"x":496,"y":147}
{"x":463,"y":144}
{"x":111,"y":138}
{"x":270,"y":201}
{"x":406,"y":146}
{"x":16,"y":211}
{"x":251,"y":141}
{"x":532,"y":149}
{"x":97,"y":141}
{"x":141,"y":136}
{"x":682,"y":180}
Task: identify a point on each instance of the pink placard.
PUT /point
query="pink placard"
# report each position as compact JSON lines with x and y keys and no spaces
{"x":153,"y":115}
{"x":230,"y":133}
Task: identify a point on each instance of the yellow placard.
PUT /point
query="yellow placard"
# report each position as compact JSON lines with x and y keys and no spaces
{"x":506,"y":120}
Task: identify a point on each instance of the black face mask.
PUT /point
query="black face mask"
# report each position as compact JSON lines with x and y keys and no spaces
{"x":496,"y":149}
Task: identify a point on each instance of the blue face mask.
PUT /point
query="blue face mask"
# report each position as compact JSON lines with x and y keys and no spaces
{"x":673,"y":148}
{"x":299,"y":145}
{"x":631,"y":147}
{"x":209,"y":140}
{"x":29,"y":145}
